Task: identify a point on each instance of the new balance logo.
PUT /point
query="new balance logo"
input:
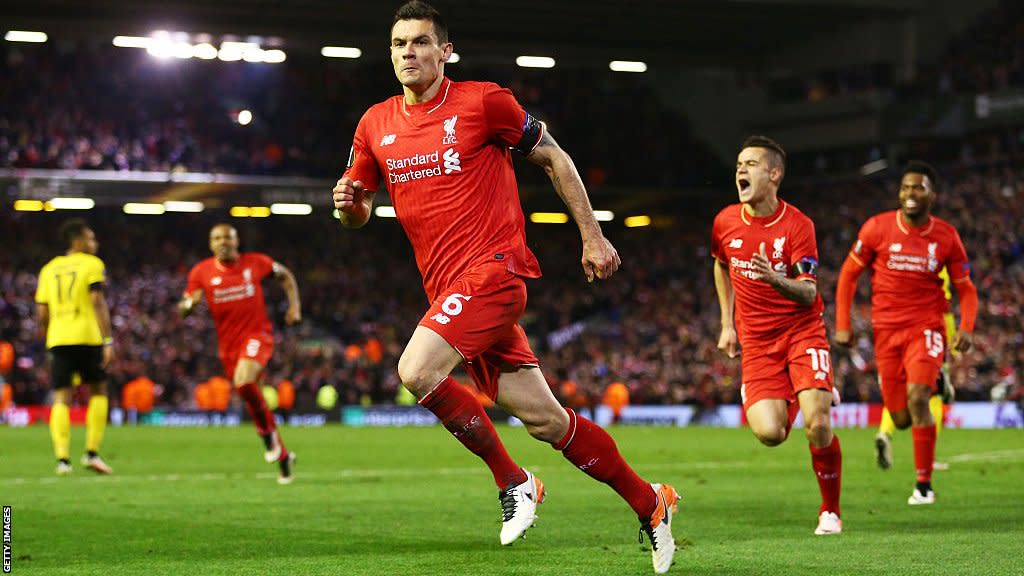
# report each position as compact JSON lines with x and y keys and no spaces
{"x":736,"y":243}
{"x":451,"y":161}
{"x":440,"y":318}
{"x":895,"y":247}
{"x":387,"y":140}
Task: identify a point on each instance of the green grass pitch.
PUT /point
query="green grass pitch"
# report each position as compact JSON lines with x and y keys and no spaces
{"x":412,"y":501}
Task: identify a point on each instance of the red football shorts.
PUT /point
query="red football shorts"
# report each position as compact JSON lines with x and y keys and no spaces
{"x":258,"y":347}
{"x":778,"y":370}
{"x":908,"y":355}
{"x":478,"y":315}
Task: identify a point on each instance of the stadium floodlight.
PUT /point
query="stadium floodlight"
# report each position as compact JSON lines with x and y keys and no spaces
{"x":274,"y":56}
{"x":340,"y":52}
{"x":385,"y":211}
{"x":549,"y":217}
{"x":259,"y":211}
{"x":25,"y":36}
{"x":604,"y":215}
{"x":143,"y":208}
{"x":183,"y":206}
{"x":240,"y":211}
{"x":28,"y":205}
{"x":535,"y":62}
{"x":454,"y":58}
{"x":204,"y":51}
{"x":132,"y":41}
{"x":285,"y":209}
{"x":627,"y":66}
{"x":231,"y":51}
{"x":244,"y":117}
{"x":182,"y":50}
{"x":70,"y":203}
{"x":637,"y":221}
{"x":253,"y":55}
{"x":872,"y":167}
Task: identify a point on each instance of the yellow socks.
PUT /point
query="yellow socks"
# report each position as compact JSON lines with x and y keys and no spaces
{"x":95,"y":422}
{"x":60,"y":430}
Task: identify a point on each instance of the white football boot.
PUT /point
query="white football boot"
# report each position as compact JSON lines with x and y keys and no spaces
{"x":828,"y":523}
{"x":519,"y":507}
{"x":659,"y":528}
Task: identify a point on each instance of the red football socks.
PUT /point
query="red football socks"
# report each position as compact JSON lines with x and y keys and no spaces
{"x":257,"y":407}
{"x":828,"y":467}
{"x":593,"y":451}
{"x":924,"y":451}
{"x":462,"y":414}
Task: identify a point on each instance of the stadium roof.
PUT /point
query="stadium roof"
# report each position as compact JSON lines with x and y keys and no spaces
{"x":701,"y":33}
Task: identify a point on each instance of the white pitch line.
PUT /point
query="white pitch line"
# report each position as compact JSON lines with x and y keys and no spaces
{"x":992,"y":456}
{"x":350,"y":473}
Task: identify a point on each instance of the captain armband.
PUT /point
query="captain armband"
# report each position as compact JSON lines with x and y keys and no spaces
{"x":533,"y":131}
{"x":806,"y":266}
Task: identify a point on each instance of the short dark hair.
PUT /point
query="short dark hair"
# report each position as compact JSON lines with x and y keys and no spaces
{"x":921,"y":167}
{"x":778,"y":159}
{"x":418,"y":10}
{"x":72,"y":229}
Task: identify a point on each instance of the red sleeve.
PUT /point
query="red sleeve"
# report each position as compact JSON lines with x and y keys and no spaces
{"x":960,"y":276}
{"x":264,"y":264}
{"x":968,"y":303}
{"x":805,"y":251}
{"x":195,"y":280}
{"x":716,"y":239}
{"x":362,"y":165}
{"x":863,"y":251}
{"x":506,"y":119}
{"x":957,"y":264}
{"x":845,"y":288}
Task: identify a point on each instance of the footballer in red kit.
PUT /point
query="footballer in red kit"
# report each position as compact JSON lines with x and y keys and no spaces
{"x":766,"y":261}
{"x":443,"y":151}
{"x":232,"y":284}
{"x":906,"y":250}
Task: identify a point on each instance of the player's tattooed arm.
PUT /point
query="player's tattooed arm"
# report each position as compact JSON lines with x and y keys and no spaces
{"x":600,"y":259}
{"x":799,"y":291}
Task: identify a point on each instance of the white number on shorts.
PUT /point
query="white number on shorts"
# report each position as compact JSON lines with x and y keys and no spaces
{"x":452,"y":305}
{"x":819,"y":359}
{"x":252,"y":348}
{"x":933,"y":343}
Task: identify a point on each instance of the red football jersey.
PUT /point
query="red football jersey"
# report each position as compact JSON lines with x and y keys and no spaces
{"x":788,"y":235}
{"x":234,"y":295}
{"x":905,"y":263}
{"x":447,"y":166}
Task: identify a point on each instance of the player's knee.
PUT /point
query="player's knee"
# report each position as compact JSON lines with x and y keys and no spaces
{"x":818,"y":431}
{"x":901,"y":419}
{"x":772,"y":437}
{"x":548,"y":426}
{"x":416,"y":376}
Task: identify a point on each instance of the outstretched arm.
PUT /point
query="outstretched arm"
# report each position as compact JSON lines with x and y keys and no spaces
{"x":188,"y":302}
{"x":99,"y":304}
{"x":963,"y":340}
{"x":291,"y":288}
{"x":600,"y":259}
{"x":845,"y":289}
{"x":727,"y":340}
{"x":353,"y":202}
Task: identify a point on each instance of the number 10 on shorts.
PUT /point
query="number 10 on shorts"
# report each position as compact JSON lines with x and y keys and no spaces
{"x":820,"y":362}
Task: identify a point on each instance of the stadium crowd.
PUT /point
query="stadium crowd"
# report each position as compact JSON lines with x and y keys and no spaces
{"x":653,"y":326}
{"x":143,"y":113}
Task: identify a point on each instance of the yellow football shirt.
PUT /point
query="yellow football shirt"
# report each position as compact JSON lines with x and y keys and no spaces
{"x":64,"y":286}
